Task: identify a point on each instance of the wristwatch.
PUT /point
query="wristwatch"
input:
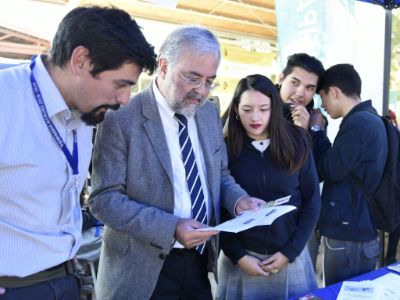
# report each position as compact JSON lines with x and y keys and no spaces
{"x":316,"y":128}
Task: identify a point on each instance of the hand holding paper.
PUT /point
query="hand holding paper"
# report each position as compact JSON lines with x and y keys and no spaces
{"x":248,"y":203}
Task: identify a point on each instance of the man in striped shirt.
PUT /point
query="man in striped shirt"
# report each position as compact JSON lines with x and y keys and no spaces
{"x":48,"y":108}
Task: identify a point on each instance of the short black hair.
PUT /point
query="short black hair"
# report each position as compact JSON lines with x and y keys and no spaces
{"x":345,"y":77}
{"x":111,"y":36}
{"x":306,"y":62}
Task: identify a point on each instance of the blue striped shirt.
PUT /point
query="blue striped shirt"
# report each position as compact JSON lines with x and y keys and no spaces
{"x":40,"y":220}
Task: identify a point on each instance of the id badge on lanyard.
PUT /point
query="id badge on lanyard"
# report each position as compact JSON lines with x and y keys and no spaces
{"x":71,"y":207}
{"x":72,"y":186}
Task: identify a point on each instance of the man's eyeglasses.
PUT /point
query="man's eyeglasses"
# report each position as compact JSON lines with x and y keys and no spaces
{"x":196,"y":82}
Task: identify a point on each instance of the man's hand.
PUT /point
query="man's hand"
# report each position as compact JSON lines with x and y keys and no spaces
{"x":246,"y":203}
{"x":251,"y":265}
{"x":275,"y":263}
{"x":188,"y":236}
{"x":317,"y":118}
{"x":300,"y":116}
{"x":2,"y":290}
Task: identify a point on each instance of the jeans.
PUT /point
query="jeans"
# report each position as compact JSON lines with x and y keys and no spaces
{"x":61,"y":288}
{"x":346,"y":259}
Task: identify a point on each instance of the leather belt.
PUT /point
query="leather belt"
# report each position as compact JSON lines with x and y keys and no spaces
{"x":61,"y":270}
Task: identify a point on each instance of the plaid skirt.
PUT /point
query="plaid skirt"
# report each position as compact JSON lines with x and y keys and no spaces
{"x":295,"y":280}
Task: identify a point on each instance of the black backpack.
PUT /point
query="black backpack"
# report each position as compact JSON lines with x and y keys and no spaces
{"x":384,"y":203}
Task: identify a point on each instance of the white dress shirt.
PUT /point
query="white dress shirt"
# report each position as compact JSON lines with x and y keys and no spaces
{"x":182,"y":202}
{"x":40,"y":217}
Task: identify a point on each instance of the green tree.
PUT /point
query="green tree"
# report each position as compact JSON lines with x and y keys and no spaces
{"x":395,"y":62}
{"x":395,"y":57}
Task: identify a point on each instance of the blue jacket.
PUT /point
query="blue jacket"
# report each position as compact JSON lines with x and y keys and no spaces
{"x":260,"y":177}
{"x":359,"y":149}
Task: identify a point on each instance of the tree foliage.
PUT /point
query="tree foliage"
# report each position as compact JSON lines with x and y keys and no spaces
{"x":395,"y":57}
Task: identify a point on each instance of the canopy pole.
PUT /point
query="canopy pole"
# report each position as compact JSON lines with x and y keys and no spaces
{"x":386,"y":61}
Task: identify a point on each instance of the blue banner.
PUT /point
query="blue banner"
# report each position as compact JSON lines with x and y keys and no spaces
{"x":301,"y":27}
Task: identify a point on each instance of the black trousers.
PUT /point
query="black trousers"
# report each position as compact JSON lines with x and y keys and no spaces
{"x":393,"y":241}
{"x":183,"y":276}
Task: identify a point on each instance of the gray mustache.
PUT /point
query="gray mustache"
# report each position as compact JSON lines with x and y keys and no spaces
{"x":194,"y":95}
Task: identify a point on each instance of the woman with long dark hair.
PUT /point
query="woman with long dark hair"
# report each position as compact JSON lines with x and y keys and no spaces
{"x":270,"y":158}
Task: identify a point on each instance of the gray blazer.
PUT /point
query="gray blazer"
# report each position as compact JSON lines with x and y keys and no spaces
{"x":133,"y":194}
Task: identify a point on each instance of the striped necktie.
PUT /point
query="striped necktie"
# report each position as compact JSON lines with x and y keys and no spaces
{"x":199,"y":210}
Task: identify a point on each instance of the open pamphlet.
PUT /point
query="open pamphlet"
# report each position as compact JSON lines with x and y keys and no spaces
{"x":386,"y":287}
{"x":394,"y":267}
{"x":360,"y":290}
{"x":267,"y":214}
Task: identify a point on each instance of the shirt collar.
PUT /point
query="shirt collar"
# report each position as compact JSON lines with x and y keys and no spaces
{"x":161,"y":101}
{"x":52,"y":98}
{"x":261,"y":145}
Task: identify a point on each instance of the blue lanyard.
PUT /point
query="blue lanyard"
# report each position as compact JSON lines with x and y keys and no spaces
{"x":72,"y":159}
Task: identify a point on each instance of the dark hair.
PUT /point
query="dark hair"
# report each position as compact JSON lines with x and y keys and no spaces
{"x":111,"y":36}
{"x":289,"y":143}
{"x":306,"y":62}
{"x":345,"y":77}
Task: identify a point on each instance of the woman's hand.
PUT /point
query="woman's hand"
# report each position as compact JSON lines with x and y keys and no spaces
{"x":251,"y":265}
{"x":275,"y":263}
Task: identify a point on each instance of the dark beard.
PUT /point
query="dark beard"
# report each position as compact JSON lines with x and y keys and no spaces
{"x":93,"y":117}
